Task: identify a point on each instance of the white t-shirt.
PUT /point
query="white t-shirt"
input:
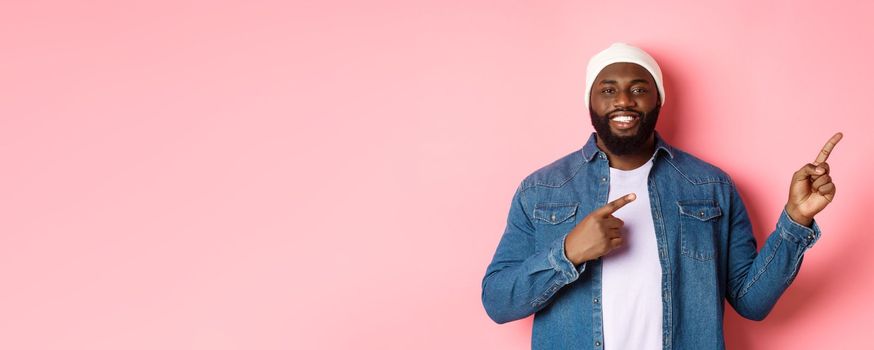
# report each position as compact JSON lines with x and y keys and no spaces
{"x":632,"y":275}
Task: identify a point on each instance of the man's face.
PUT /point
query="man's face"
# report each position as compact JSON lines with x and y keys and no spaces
{"x":624,"y":106}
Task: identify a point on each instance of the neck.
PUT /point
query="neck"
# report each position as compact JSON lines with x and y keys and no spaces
{"x":629,"y":161}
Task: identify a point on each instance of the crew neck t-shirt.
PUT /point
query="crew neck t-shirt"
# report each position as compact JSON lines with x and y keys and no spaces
{"x":632,"y":275}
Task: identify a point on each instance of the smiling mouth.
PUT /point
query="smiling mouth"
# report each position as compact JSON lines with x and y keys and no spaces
{"x":624,"y":120}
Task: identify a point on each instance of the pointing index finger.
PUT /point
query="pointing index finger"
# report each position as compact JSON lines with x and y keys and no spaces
{"x":827,"y":149}
{"x":612,"y":207}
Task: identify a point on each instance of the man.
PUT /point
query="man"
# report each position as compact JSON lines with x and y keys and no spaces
{"x":630,"y":243}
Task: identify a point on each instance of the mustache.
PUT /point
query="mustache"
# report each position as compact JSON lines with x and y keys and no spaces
{"x":625,"y":110}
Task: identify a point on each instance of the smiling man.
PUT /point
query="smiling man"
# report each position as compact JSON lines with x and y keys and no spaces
{"x":630,"y":243}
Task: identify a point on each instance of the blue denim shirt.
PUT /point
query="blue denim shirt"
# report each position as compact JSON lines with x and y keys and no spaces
{"x":706,"y":249}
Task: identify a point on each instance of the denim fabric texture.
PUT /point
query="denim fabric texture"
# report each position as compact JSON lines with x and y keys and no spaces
{"x":706,"y":249}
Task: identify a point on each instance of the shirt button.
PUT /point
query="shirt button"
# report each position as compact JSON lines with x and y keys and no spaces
{"x":603,"y":179}
{"x":595,"y":301}
{"x":552,"y":217}
{"x":597,"y":343}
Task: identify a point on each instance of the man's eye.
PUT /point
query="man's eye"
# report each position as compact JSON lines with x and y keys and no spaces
{"x":607,"y":91}
{"x":639,"y":91}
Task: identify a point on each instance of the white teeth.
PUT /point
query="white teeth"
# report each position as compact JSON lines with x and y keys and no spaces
{"x":623,"y":119}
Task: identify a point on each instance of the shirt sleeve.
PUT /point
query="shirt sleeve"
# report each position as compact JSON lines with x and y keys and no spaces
{"x":757,"y":279}
{"x":519,"y":281}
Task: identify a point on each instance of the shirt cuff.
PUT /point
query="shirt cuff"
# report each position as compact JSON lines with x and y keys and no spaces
{"x":798,"y":233}
{"x":559,"y":261}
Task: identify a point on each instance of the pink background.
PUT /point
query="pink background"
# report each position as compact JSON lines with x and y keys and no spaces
{"x":336,"y":175}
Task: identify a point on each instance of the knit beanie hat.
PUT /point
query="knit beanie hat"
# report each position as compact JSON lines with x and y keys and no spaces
{"x":622,"y":52}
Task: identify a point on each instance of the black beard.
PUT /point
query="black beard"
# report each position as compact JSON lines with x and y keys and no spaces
{"x":622,"y":145}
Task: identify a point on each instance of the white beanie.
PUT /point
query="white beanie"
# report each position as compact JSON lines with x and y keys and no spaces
{"x":622,"y":52}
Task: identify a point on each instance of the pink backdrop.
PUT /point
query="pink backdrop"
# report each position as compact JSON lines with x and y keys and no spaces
{"x":337,"y":175}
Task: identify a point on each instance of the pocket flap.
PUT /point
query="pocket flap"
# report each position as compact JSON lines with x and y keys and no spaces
{"x":554,"y":213}
{"x":703,"y":210}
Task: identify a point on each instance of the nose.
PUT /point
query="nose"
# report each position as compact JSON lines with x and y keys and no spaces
{"x":624,"y":99}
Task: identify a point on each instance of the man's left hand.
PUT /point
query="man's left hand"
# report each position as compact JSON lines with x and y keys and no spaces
{"x":812,"y":189}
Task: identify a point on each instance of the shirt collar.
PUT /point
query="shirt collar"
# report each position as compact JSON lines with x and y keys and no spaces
{"x":591,"y":148}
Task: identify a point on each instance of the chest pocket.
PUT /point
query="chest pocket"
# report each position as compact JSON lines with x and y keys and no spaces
{"x":554,"y":213}
{"x":551,"y":221}
{"x":699,"y":220}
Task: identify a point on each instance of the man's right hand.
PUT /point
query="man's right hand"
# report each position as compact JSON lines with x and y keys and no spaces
{"x":597,"y":234}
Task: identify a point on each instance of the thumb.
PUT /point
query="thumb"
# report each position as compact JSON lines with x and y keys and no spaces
{"x":807,"y":171}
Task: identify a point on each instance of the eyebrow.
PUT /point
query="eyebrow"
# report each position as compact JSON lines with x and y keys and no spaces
{"x":605,"y":81}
